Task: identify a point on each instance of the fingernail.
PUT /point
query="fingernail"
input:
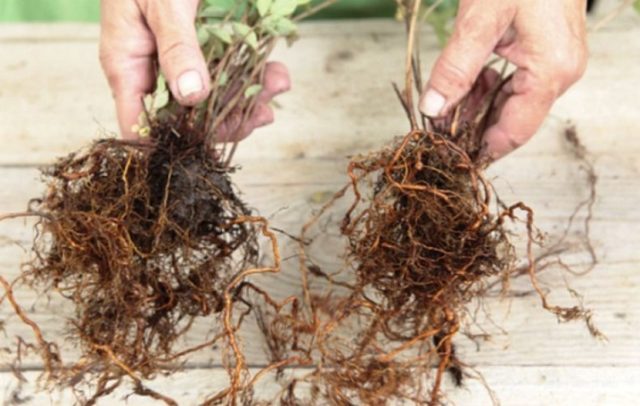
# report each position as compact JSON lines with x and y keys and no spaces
{"x":432,"y":103}
{"x":190,"y":83}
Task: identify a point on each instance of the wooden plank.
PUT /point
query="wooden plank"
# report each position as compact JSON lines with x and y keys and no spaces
{"x":54,"y":97}
{"x":522,"y":386}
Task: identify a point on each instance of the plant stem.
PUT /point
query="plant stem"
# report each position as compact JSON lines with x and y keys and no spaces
{"x":413,"y":8}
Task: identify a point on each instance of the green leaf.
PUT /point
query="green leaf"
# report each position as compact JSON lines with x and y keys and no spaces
{"x":222,"y":4}
{"x":220,"y":33}
{"x":148,"y":102}
{"x":636,"y":5}
{"x":214,"y":12}
{"x":278,"y":25}
{"x":223,"y":79}
{"x":263,"y":6}
{"x":203,"y":35}
{"x":285,"y":26}
{"x":252,"y":90}
{"x":247,"y":34}
{"x":281,"y":8}
{"x":268,"y":24}
{"x":241,"y":29}
{"x":252,"y":40}
{"x":160,"y":100}
{"x":161,"y":83}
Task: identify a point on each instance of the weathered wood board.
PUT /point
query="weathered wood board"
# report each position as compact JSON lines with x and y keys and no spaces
{"x":524,"y":386}
{"x":53,"y":100}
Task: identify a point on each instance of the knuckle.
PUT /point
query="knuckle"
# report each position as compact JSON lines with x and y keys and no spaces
{"x":110,"y":69}
{"x":106,"y":61}
{"x":568,"y":67}
{"x":176,"y":51}
{"x":171,"y":48}
{"x":451,"y":75}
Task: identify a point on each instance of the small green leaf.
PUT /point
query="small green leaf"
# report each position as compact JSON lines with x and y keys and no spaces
{"x":278,"y":25}
{"x":636,"y":5}
{"x":217,"y":8}
{"x":285,"y":26}
{"x":263,"y":6}
{"x":247,"y":34}
{"x":160,"y":100}
{"x":220,"y":33}
{"x":252,"y":90}
{"x":203,"y":35}
{"x":161,"y":83}
{"x":144,"y":132}
{"x":148,"y":102}
{"x":213,"y":12}
{"x":281,"y":8}
{"x":223,"y":79}
{"x":241,"y":29}
{"x":252,"y":40}
{"x":142,"y":127}
{"x":270,"y":24}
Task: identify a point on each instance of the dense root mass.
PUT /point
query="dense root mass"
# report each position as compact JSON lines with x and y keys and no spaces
{"x":427,"y":235}
{"x":143,"y":239}
{"x":426,"y":238}
{"x":147,"y":240}
{"x":422,"y":242}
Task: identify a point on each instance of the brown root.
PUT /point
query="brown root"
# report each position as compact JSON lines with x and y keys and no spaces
{"x":425,"y":237}
{"x":144,"y":239}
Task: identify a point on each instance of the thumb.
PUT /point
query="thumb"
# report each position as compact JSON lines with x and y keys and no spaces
{"x":476,"y":33}
{"x":181,"y":60}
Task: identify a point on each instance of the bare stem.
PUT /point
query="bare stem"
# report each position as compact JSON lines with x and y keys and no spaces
{"x":412,"y":18}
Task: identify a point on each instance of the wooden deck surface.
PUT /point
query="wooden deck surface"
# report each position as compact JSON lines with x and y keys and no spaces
{"x":54,"y":100}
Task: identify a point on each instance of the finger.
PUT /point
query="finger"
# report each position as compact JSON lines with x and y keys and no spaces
{"x":276,"y":81}
{"x":476,"y":33}
{"x":478,"y":96}
{"x":546,"y":70}
{"x":181,"y":60}
{"x":262,"y":115}
{"x":528,"y":101}
{"x":130,"y":78}
{"x":233,"y":129}
{"x":135,"y":82}
{"x":126,"y":50}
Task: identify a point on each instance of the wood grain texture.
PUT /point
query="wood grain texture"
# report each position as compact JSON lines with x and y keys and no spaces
{"x":53,"y":99}
{"x":518,"y":386}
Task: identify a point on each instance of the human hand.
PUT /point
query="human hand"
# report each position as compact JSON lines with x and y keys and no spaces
{"x":136,"y":32}
{"x":544,"y":39}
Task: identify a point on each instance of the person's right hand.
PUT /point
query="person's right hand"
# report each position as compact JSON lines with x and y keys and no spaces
{"x":136,"y":32}
{"x":545,"y":39}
